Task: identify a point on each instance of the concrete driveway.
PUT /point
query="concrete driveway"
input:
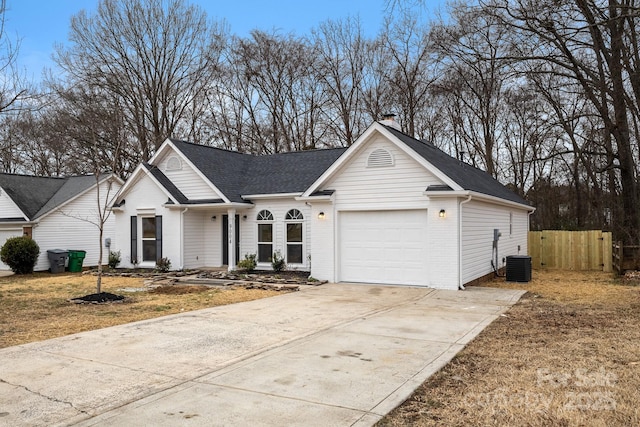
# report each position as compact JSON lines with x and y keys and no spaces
{"x":333,"y":355}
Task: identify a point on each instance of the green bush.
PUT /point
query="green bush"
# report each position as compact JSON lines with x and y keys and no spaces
{"x":248,"y":263}
{"x":20,"y":254}
{"x":114,"y":259}
{"x":163,"y":265}
{"x":277,"y":262}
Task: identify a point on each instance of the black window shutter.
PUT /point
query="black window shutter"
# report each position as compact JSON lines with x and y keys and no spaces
{"x":134,"y":238}
{"x":158,"y":237}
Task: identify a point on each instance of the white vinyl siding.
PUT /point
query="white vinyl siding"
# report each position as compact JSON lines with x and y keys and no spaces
{"x":479,"y":219}
{"x":194,"y":240}
{"x":192,"y":185}
{"x":372,"y":188}
{"x":279,"y":209}
{"x":146,"y":198}
{"x":73,"y":227}
{"x":359,"y":187}
{"x":8,"y":209}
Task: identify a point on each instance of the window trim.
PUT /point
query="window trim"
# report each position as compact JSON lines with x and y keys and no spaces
{"x":140,"y":239}
{"x":265,"y":217}
{"x":294,"y":216}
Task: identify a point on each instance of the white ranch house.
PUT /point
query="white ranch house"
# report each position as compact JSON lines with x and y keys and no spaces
{"x":389,"y":209}
{"x":58,"y":213}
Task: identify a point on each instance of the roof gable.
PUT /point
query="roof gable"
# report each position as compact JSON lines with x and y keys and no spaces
{"x":466,"y":176}
{"x":455,"y":175}
{"x":222,"y":168}
{"x":30,"y":193}
{"x":37,"y":196}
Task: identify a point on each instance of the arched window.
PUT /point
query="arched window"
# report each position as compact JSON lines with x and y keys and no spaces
{"x":265,"y":236}
{"x":379,"y":158}
{"x":294,"y":223}
{"x":294,"y":214}
{"x":265,"y":215}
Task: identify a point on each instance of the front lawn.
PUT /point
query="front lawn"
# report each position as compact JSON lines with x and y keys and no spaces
{"x":568,"y":354}
{"x":35,"y":307}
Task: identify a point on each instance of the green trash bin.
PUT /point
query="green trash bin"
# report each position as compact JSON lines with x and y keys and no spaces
{"x":75,"y":260}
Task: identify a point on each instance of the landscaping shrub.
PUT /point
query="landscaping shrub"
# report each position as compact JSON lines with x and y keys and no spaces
{"x":248,"y":263}
{"x":277,"y":262}
{"x":114,"y":259}
{"x":163,"y":265}
{"x":20,"y":254}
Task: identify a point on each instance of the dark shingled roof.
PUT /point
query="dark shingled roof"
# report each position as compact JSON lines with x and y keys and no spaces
{"x":288,"y":172}
{"x":30,"y":193}
{"x":465,"y":175}
{"x":36,"y":196}
{"x":237,"y":174}
{"x":166,"y":183}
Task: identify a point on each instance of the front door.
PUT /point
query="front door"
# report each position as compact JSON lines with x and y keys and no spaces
{"x":225,"y":239}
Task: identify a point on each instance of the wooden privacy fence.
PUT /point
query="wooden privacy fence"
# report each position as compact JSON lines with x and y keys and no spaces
{"x":571,"y":250}
{"x":625,"y":257}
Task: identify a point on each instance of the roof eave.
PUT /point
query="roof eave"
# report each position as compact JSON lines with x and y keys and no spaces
{"x":270,"y":196}
{"x":480,"y":196}
{"x":208,"y":206}
{"x":322,"y":198}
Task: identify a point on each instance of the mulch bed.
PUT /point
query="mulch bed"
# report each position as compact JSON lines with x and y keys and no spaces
{"x":100,"y":298}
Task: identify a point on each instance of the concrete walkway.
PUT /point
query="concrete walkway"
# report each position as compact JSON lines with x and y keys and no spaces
{"x":333,"y":355}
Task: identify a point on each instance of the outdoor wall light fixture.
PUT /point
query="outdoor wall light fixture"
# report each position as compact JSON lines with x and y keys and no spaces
{"x":213,"y":218}
{"x":321,"y":215}
{"x":244,"y":217}
{"x":442,"y":213}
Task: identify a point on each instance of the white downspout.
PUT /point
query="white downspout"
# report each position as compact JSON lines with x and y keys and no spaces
{"x":182,"y":237}
{"x":460,"y":284}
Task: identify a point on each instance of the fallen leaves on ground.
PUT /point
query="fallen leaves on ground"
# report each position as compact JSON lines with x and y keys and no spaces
{"x":566,"y":355}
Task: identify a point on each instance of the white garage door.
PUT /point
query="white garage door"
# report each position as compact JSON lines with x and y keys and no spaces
{"x":4,"y":235}
{"x":383,"y":247}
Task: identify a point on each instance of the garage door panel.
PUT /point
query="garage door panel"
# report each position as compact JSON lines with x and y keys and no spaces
{"x":383,"y":247}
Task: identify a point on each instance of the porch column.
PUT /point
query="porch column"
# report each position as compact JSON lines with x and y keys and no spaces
{"x":232,"y":239}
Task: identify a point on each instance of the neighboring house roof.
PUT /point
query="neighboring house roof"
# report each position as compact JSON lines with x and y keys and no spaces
{"x":30,"y":193}
{"x":237,"y":174}
{"x":37,"y":196}
{"x":465,"y":175}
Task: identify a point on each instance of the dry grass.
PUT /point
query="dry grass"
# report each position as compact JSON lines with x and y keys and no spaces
{"x":36,"y":307}
{"x":568,"y":354}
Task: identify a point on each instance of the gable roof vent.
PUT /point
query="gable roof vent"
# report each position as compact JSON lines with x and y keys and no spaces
{"x":379,"y":158}
{"x":173,"y":164}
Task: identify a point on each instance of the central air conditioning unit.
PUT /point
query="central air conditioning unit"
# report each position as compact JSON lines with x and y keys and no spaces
{"x":519,"y":268}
